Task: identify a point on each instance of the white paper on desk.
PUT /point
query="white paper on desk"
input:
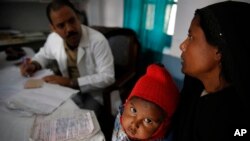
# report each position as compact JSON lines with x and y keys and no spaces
{"x":78,"y":125}
{"x":11,"y":77}
{"x":42,"y":100}
{"x":11,"y":81}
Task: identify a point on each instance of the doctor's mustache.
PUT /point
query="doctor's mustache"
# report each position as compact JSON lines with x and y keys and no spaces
{"x":72,"y":34}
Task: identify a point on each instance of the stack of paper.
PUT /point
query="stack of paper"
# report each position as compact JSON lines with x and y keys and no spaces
{"x":42,"y":100}
{"x":75,"y":126}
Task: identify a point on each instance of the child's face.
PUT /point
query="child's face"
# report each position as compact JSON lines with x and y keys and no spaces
{"x":141,"y":118}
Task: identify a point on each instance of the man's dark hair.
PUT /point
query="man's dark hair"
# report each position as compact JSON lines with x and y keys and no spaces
{"x":57,"y":4}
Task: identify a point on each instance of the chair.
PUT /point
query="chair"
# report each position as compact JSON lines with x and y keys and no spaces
{"x":125,"y":48}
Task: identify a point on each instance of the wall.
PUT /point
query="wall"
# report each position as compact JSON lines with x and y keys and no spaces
{"x":105,"y":12}
{"x":31,"y":16}
{"x":25,"y":16}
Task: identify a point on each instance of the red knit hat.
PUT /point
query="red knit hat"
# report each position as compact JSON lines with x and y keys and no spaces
{"x":158,"y":87}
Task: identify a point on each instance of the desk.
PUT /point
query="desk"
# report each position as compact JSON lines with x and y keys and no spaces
{"x":16,"y":125}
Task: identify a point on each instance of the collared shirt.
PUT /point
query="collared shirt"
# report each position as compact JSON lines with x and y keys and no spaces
{"x":118,"y":132}
{"x":72,"y":62}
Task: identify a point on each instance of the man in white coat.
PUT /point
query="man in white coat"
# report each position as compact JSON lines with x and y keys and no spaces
{"x":83,"y":55}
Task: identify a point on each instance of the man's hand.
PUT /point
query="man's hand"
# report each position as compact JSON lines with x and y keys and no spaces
{"x":55,"y":79}
{"x":27,"y":69}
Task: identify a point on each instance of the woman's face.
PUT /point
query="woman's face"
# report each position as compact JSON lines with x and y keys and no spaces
{"x":141,"y":119}
{"x":199,"y":58}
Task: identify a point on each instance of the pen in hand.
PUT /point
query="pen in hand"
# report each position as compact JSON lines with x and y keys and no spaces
{"x":26,"y":62}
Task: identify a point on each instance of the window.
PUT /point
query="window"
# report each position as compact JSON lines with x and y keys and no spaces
{"x":150,"y":16}
{"x":153,"y":21}
{"x":170,"y":15}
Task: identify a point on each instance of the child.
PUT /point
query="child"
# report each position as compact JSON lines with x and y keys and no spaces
{"x":147,"y":112}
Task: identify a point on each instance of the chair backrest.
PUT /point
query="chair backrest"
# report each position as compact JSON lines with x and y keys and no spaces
{"x":125,"y":48}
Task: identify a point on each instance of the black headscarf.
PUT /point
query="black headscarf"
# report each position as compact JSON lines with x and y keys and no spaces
{"x":227,"y":26}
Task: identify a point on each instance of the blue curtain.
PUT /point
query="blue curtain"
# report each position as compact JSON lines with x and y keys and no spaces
{"x":147,"y":18}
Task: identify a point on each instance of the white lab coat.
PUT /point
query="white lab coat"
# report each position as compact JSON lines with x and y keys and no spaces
{"x":94,"y":60}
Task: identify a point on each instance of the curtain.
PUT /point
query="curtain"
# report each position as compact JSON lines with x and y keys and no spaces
{"x":149,"y":19}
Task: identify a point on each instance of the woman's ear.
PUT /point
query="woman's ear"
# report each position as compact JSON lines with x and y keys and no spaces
{"x":218,"y":55}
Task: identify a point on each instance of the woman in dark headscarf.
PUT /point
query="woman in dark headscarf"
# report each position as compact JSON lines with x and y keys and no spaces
{"x":215,"y":97}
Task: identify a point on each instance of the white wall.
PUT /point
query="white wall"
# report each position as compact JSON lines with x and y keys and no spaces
{"x":105,"y":12}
